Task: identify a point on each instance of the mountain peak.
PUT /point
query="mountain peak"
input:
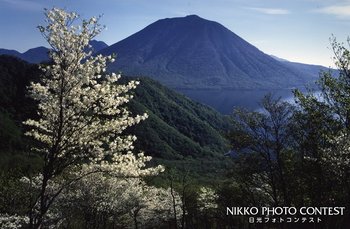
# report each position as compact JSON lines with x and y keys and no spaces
{"x":38,"y":48}
{"x":194,"y":21}
{"x":193,"y":16}
{"x":192,"y":52}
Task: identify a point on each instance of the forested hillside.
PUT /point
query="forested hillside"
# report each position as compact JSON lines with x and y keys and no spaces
{"x":177,"y":128}
{"x":15,"y":107}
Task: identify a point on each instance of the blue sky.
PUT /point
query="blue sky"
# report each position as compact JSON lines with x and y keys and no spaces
{"x":297,"y":30}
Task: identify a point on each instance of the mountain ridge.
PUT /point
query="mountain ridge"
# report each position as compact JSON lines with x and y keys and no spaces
{"x":192,"y":52}
{"x":40,"y":54}
{"x":195,"y":53}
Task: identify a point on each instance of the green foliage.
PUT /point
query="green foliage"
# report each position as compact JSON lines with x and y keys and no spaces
{"x":13,"y":194}
{"x":177,"y":133}
{"x":15,"y":77}
{"x":177,"y":127}
{"x":10,"y":134}
{"x":290,"y":156}
{"x":267,"y":137}
{"x":15,"y":107}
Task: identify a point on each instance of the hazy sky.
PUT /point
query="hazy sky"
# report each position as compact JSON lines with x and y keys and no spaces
{"x":297,"y":30}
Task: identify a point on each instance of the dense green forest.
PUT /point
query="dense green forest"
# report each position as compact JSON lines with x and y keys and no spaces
{"x":185,"y":136}
{"x":15,"y":107}
{"x":177,"y":129}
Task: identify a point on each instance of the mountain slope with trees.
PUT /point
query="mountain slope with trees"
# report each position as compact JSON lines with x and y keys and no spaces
{"x":309,"y":70}
{"x":176,"y":128}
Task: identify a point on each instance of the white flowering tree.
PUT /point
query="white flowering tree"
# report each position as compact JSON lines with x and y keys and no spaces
{"x":12,"y":221}
{"x":207,"y":199}
{"x":336,"y":158}
{"x":82,"y":114}
{"x":107,"y":200}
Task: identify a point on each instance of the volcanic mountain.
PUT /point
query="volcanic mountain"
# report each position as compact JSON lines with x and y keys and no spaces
{"x":192,"y":52}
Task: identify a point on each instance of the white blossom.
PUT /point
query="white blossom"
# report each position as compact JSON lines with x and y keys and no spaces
{"x":117,"y":198}
{"x":82,"y":113}
{"x":207,"y":198}
{"x":13,"y":221}
{"x":336,"y":158}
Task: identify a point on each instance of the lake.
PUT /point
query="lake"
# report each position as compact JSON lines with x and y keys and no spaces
{"x":226,"y":100}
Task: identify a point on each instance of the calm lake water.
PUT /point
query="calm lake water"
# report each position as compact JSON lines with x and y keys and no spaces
{"x":225,"y":101}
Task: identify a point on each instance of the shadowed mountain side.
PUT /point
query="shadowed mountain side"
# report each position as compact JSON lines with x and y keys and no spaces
{"x":309,"y":70}
{"x":97,"y":45}
{"x":191,"y":52}
{"x":36,"y":55}
{"x":177,"y":127}
{"x":40,"y":54}
{"x":10,"y":52}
